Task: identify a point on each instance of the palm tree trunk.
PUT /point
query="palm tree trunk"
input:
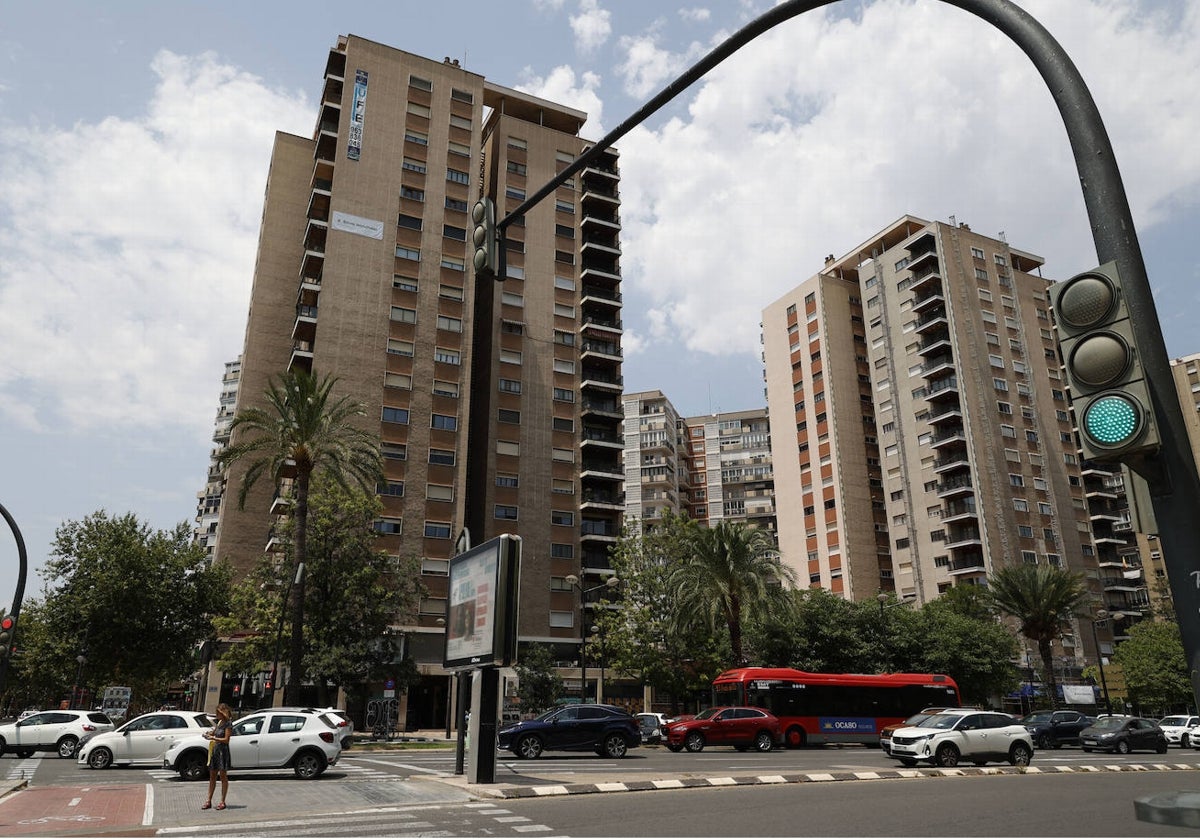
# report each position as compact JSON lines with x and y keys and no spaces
{"x":296,"y":671}
{"x":735,"y":631}
{"x":1047,"y":655}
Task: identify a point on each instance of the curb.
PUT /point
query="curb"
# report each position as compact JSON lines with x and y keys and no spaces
{"x":525,"y":792}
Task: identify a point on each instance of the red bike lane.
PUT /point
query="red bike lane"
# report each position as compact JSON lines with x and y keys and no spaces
{"x":72,"y":810}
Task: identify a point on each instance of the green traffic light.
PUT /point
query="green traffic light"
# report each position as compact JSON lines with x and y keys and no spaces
{"x":1112,"y":420}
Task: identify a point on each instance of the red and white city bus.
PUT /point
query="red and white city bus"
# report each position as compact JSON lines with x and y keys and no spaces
{"x":833,"y":708}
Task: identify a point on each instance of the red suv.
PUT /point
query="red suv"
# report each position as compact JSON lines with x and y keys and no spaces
{"x":741,"y":727}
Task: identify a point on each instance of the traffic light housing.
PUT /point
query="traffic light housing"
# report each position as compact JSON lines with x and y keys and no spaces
{"x":7,"y":625}
{"x":1109,"y":391}
{"x":483,"y":237}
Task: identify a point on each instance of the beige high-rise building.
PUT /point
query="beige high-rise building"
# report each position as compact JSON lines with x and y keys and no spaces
{"x":497,"y":404}
{"x":920,"y":426}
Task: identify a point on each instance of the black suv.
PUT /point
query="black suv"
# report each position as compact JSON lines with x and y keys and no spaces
{"x":606,"y":730}
{"x":1052,"y":728}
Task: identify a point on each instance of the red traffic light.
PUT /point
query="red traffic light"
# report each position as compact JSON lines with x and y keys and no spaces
{"x":7,"y":622}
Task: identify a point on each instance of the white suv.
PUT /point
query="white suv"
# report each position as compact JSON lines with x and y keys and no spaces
{"x":302,"y":739}
{"x":967,"y":735}
{"x":53,"y":731}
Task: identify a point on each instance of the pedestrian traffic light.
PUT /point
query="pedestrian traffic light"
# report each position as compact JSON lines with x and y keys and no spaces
{"x":7,"y":624}
{"x":1109,"y":391}
{"x":483,"y":215}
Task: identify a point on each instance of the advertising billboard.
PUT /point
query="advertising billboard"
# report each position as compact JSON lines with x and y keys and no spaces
{"x":481,"y":610}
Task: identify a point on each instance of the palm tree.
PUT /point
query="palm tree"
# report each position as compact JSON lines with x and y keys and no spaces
{"x":1043,"y":600}
{"x":302,"y":430}
{"x":731,"y":568}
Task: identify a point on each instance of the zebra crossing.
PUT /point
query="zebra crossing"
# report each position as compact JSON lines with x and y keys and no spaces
{"x":23,"y":768}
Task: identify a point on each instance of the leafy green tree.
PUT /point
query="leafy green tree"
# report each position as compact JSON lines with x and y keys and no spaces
{"x":1155,"y":666}
{"x":730,"y":569}
{"x":968,"y":600}
{"x":1043,"y":600}
{"x":303,"y":430}
{"x":354,"y":593}
{"x":655,"y":638}
{"x":132,"y":600}
{"x":539,"y":684}
{"x":977,"y":652}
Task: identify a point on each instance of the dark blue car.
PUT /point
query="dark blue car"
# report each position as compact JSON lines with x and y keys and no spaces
{"x":606,"y":730}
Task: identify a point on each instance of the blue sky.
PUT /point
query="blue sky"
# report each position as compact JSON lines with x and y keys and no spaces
{"x":135,"y":137}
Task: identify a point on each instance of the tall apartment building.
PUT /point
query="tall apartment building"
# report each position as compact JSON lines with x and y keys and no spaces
{"x":920,"y":426}
{"x":656,"y":475}
{"x":728,"y":461}
{"x":209,"y":500}
{"x":496,"y":403}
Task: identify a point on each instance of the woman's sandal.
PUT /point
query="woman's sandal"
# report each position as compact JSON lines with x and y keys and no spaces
{"x":220,"y":806}
{"x":205,"y":806}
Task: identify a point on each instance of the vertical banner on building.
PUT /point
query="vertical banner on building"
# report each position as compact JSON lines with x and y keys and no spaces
{"x":357,"y":114}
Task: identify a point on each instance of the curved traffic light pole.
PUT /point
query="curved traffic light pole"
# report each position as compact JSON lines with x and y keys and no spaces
{"x":15,"y":612}
{"x":1171,"y":474}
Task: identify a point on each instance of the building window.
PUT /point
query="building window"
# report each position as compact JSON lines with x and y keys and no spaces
{"x":564,"y":366}
{"x":390,"y":488}
{"x":442,"y":456}
{"x":1025,"y":531}
{"x":444,"y":421}
{"x":413,"y":165}
{"x":408,"y":253}
{"x":410,"y":222}
{"x":508,"y":447}
{"x":450,"y":292}
{"x":562,"y":517}
{"x":403,"y":315}
{"x":558,"y":618}
{"x":445,"y":322}
{"x":454,"y":264}
{"x":506,"y":512}
{"x":1016,"y":480}
{"x":419,"y":83}
{"x":564,"y":395}
{"x":450,"y":357}
{"x":565,"y":486}
{"x":454,"y":232}
{"x":439,"y":493}
{"x":389,"y":526}
{"x":395,"y":415}
{"x":512,"y":299}
{"x":565,"y":455}
{"x":397,"y":380}
{"x":437,"y":530}
{"x":413,"y":193}
{"x":445,"y":389}
{"x":510,"y":386}
{"x":404,"y":284}
{"x":394,"y":451}
{"x":508,"y":415}
{"x":431,"y":566}
{"x":457,"y":176}
{"x":507,"y":480}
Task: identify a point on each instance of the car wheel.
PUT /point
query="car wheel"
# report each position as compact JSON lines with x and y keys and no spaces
{"x":309,"y":765}
{"x":796,"y":738}
{"x":674,"y":747}
{"x":1162,"y":747}
{"x":763,"y":742}
{"x":2,"y":746}
{"x":946,"y":756}
{"x":1019,"y":755}
{"x":1045,"y":742}
{"x":1185,"y":741}
{"x":67,"y":746}
{"x":529,"y":746}
{"x":909,"y":762}
{"x":1122,"y":747}
{"x":614,"y":745}
{"x":694,"y":742}
{"x":100,"y":758}
{"x":192,"y":766}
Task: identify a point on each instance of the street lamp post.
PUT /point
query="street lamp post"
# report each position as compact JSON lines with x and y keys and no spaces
{"x":596,"y":628}
{"x":1101,"y":617}
{"x":573,"y":580}
{"x":77,"y":693}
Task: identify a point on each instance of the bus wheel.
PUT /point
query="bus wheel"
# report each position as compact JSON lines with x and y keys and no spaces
{"x":796,"y":738}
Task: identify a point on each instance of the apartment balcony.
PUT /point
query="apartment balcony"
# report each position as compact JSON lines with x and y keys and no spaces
{"x":331,"y":95}
{"x":305,"y":327}
{"x":601,"y":271}
{"x":1120,"y":584}
{"x":935,"y":344}
{"x":315,"y":235}
{"x":606,"y":173}
{"x":318,"y":205}
{"x":601,"y":408}
{"x":601,"y":324}
{"x":600,"y":220}
{"x":963,"y":538}
{"x":302,"y":356}
{"x":280,"y":505}
{"x":940,"y":365}
{"x":603,"y":530}
{"x":609,"y":470}
{"x":595,"y":380}
{"x":600,"y":296}
{"x":926,"y":273}
{"x":948,"y":436}
{"x":968,"y":564}
{"x":956,"y":486}
{"x":951,"y":462}
{"x":934,"y":296}
{"x":598,"y":500}
{"x":934,"y":320}
{"x":591,"y":349}
{"x":960,"y":511}
{"x":603,"y":247}
{"x":312,"y":264}
{"x":1091,"y":468}
{"x":309,"y":291}
{"x":942,"y":389}
{"x":946,"y":413}
{"x":602,"y":438}
{"x":601,"y":192}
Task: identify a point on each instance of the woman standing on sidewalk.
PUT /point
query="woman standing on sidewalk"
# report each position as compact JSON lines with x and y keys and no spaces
{"x":218,"y":755}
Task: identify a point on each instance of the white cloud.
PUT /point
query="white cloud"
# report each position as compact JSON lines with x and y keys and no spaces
{"x":129,"y":249}
{"x":563,"y":86}
{"x":828,"y":129}
{"x":695,"y":15}
{"x":592,"y":26}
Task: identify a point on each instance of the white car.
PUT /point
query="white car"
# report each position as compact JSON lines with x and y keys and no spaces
{"x":305,"y":740}
{"x":1178,"y":728}
{"x":144,"y":738}
{"x":57,"y":731}
{"x":979,"y":737}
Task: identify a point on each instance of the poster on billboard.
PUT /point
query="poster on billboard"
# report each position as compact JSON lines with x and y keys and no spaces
{"x":481,"y":607}
{"x":358,"y":115}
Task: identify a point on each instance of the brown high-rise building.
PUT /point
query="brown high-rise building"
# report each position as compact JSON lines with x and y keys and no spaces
{"x":920,"y":428}
{"x":497,"y":404}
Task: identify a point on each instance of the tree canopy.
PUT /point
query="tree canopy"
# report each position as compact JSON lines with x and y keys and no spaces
{"x":1155,"y":666}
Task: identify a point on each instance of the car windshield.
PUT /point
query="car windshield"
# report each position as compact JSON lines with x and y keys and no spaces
{"x":1111,"y":724}
{"x":942,"y":721}
{"x":1036,"y":717}
{"x":918,"y":719}
{"x":1177,"y":720}
{"x":707,"y":713}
